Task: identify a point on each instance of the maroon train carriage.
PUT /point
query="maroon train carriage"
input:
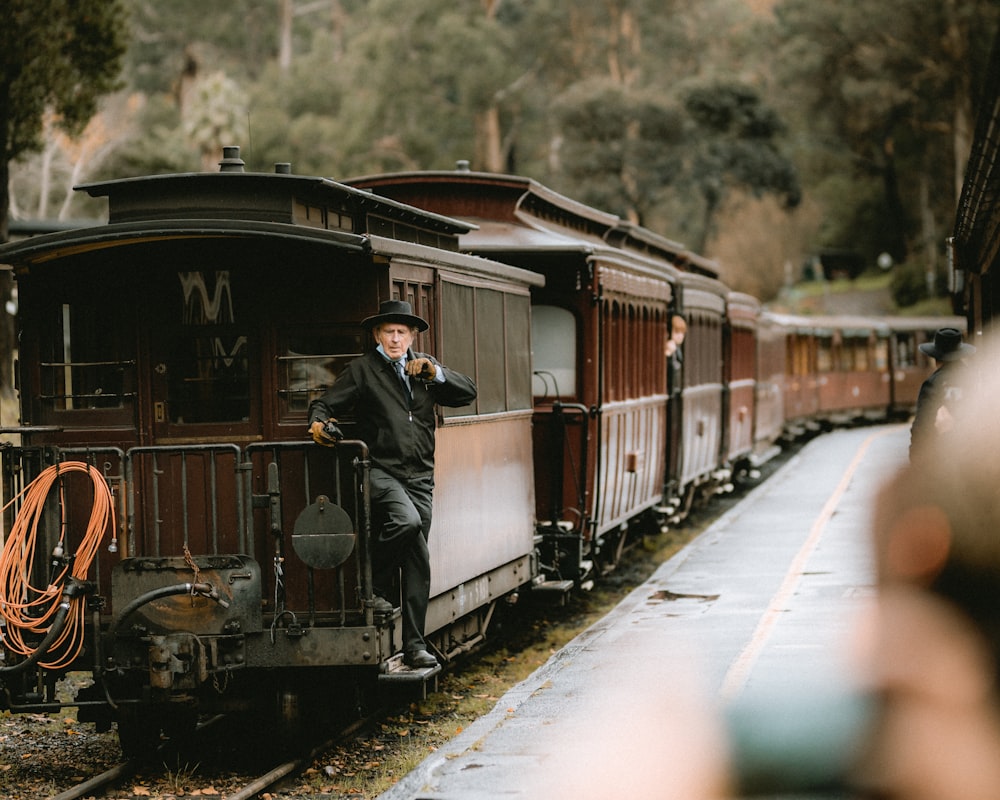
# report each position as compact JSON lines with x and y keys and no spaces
{"x":173,"y":353}
{"x":740,"y":358}
{"x":599,"y":329}
{"x":801,"y":376}
{"x":852,"y":365}
{"x":701,"y":470}
{"x":975,"y":245}
{"x":769,"y":407}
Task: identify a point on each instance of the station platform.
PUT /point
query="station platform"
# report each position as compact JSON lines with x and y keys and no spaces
{"x":762,"y":609}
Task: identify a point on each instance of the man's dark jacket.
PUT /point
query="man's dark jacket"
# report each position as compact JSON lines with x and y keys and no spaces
{"x":939,"y":389}
{"x":398,"y":430}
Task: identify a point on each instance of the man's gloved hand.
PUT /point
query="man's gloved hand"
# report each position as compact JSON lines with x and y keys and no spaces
{"x":326,"y":433}
{"x":422,"y":368}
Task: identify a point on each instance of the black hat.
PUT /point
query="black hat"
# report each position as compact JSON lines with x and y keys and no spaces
{"x":947,"y":346}
{"x":395,"y":311}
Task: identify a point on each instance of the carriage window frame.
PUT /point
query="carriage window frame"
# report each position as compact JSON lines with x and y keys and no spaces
{"x":554,"y":353}
{"x":85,"y":371}
{"x":484,"y":331}
{"x":309,"y":359}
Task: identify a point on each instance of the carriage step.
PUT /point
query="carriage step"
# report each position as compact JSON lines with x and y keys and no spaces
{"x":395,"y":674}
{"x":553,"y":586}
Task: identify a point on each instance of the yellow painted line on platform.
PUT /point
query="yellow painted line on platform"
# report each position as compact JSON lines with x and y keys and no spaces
{"x":739,"y":671}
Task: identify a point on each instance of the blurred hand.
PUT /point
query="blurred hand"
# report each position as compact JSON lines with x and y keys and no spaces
{"x":422,"y":368}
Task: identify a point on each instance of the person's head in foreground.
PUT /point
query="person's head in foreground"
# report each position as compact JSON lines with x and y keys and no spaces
{"x":936,"y":637}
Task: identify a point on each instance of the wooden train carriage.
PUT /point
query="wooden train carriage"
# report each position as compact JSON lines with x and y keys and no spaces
{"x":801,"y":376}
{"x":769,"y":406}
{"x":599,"y":327}
{"x":852,"y":367}
{"x":177,"y":348}
{"x":909,"y":367}
{"x":975,"y":279}
{"x":703,"y":304}
{"x":740,"y":359}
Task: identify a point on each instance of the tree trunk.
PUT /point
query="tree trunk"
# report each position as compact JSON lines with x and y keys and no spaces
{"x":928,"y":235}
{"x":957,"y":46}
{"x":489,"y":149}
{"x":285,"y":34}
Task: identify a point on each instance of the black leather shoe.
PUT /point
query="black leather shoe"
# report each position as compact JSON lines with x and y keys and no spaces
{"x":419,"y":658}
{"x":381,"y":606}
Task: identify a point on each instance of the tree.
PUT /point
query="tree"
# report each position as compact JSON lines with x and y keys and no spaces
{"x":734,"y":145}
{"x":884,"y":91}
{"x":59,"y":57}
{"x":620,"y":150}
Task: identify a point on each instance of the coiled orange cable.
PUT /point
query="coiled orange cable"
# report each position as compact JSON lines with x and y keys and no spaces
{"x":29,"y":609}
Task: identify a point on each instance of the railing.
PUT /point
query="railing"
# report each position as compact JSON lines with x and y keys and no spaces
{"x":202,"y":500}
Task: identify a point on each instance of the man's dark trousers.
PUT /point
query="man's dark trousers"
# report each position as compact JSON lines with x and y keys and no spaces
{"x":401,"y":511}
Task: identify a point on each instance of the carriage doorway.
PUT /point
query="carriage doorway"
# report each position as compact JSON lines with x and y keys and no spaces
{"x":203,"y":381}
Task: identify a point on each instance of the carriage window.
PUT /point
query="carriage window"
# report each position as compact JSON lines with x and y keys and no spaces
{"x":824,"y":355}
{"x":491,"y":374}
{"x":860,"y":361}
{"x":485,"y":335}
{"x":906,"y":350}
{"x":310,"y":362}
{"x":553,"y":339}
{"x":208,"y":365}
{"x":81,"y":369}
{"x":518,"y":351}
{"x":881,"y":355}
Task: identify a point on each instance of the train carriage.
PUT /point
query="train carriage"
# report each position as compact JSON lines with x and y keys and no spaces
{"x":975,"y":244}
{"x":852,"y":366}
{"x":700,"y":469}
{"x":740,"y":358}
{"x":769,"y":407}
{"x":800,"y":397}
{"x":600,"y":324}
{"x":174,"y":353}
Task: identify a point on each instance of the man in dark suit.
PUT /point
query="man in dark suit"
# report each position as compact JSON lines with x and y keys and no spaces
{"x":393,"y":392}
{"x":941,"y":391}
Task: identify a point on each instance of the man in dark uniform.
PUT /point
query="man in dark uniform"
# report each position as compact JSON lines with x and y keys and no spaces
{"x":393,"y":392}
{"x":938,"y":394}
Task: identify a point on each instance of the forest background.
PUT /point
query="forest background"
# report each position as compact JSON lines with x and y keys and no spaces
{"x":764,"y":134}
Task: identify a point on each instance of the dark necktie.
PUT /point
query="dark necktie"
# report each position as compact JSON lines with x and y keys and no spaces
{"x":402,"y":376}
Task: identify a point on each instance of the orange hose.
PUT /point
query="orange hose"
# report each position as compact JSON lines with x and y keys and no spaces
{"x":27,"y":608}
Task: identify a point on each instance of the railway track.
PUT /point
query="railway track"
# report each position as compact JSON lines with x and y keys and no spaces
{"x":99,"y":785}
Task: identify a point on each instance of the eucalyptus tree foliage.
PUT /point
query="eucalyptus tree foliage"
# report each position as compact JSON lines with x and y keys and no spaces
{"x":176,"y":40}
{"x":420,"y":73}
{"x":884,"y":93}
{"x":58,"y":56}
{"x":734,"y":144}
{"x":618,"y":150}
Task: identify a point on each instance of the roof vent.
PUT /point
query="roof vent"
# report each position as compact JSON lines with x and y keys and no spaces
{"x":231,"y":161}
{"x":462,"y":165}
{"x":283,"y":168}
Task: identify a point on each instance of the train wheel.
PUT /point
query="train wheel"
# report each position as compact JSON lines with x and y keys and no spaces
{"x":612,"y":547}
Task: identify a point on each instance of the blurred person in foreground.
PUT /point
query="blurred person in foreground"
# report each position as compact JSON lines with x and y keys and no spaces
{"x":935,"y":638}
